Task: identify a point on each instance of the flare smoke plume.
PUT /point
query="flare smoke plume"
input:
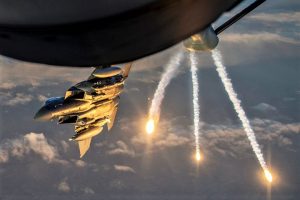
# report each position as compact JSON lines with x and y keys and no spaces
{"x":170,"y":72}
{"x":217,"y":57}
{"x":196,"y":106}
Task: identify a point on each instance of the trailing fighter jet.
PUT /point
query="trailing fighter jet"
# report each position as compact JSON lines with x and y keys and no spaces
{"x":207,"y":39}
{"x":89,"y":105}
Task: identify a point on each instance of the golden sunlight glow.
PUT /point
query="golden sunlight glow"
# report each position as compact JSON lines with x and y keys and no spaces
{"x":150,"y":126}
{"x":198,"y":156}
{"x":268,"y":176}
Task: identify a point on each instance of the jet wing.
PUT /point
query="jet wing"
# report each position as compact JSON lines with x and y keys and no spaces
{"x":84,"y":146}
{"x":112,"y":118}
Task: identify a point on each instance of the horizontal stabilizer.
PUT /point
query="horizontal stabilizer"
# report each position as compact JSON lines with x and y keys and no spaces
{"x":87,"y":133}
{"x":84,"y":146}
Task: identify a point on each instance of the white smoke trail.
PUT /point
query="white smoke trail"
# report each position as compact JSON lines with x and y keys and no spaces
{"x":196,"y":106}
{"x":170,"y":72}
{"x":217,"y":57}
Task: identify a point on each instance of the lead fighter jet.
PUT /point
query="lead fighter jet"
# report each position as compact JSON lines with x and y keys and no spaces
{"x":90,"y":104}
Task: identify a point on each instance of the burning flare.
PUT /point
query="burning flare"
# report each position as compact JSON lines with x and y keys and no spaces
{"x":198,"y":156}
{"x":150,"y":126}
{"x":268,"y":176}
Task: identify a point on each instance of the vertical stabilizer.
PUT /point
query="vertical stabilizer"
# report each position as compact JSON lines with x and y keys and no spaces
{"x":126,"y":69}
{"x":84,"y":146}
{"x":112,"y":118}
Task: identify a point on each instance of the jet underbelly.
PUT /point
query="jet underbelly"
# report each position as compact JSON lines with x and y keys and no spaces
{"x":97,"y":112}
{"x":73,"y":108}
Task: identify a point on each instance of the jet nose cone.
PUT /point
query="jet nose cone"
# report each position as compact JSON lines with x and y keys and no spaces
{"x":43,"y":114}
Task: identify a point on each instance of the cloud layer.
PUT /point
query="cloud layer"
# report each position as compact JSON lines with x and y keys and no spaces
{"x":35,"y":143}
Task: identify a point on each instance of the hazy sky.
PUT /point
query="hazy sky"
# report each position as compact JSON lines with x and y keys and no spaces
{"x":262,"y":55}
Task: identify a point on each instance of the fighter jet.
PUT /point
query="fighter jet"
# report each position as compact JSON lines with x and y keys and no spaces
{"x":89,"y":105}
{"x":207,"y":39}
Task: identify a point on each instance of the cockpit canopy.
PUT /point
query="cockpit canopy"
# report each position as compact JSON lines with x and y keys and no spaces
{"x":74,"y":93}
{"x":54,"y":100}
